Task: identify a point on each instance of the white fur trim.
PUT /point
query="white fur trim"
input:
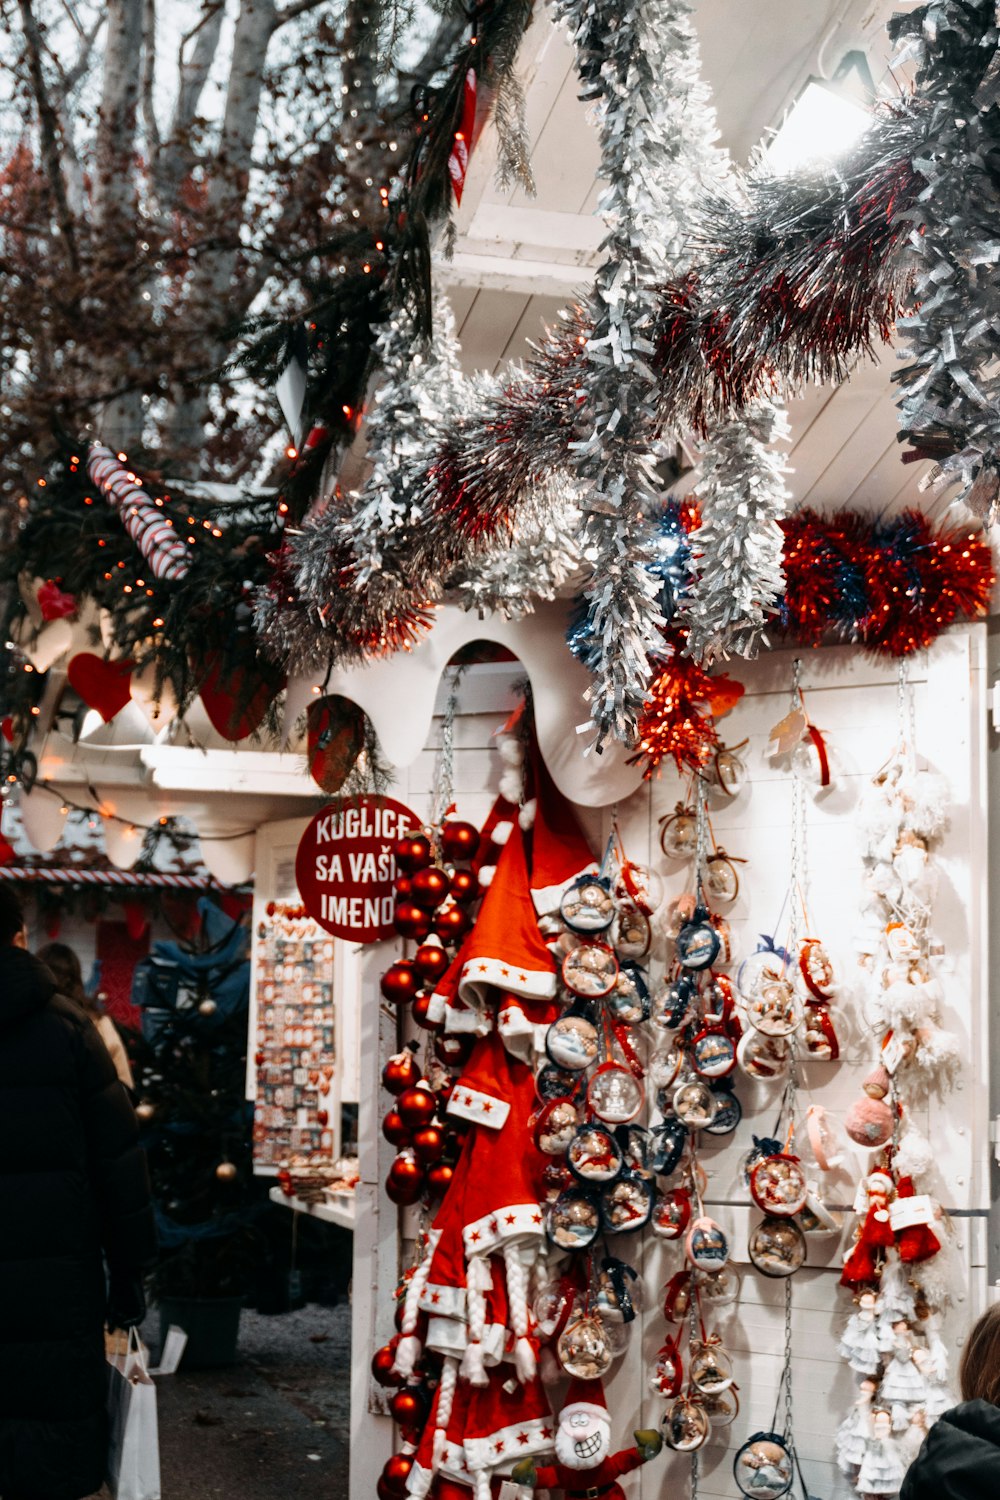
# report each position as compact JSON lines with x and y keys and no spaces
{"x":590,"y":1407}
{"x":482,"y":973}
{"x":526,"y":817}
{"x":443,"y":1301}
{"x":481,"y":1109}
{"x":486,"y":875}
{"x":501,"y":832}
{"x":509,"y":1444}
{"x":517,"y":1221}
{"x":511,"y":749}
{"x":460,"y":1019}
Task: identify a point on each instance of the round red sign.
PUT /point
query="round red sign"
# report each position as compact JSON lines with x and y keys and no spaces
{"x":345,"y":867}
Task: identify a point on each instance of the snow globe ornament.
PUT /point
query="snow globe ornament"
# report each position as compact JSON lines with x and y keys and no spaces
{"x":626,"y":1205}
{"x":555,"y":1083}
{"x":722,"y":1408}
{"x":762,"y":1147}
{"x":810,"y":760}
{"x":587,"y":905}
{"x":774,"y":1008}
{"x":698,"y":943}
{"x":728,"y":1112}
{"x":816,"y":969}
{"x":719,"y":1288}
{"x":727,"y":771}
{"x":722,"y":883}
{"x":573,"y":1221}
{"x":706,"y":1245}
{"x":615,"y":1095}
{"x":718,"y":1001}
{"x":583,"y":1349}
{"x":667,"y":1375}
{"x":672,"y":1004}
{"x":694,"y":1104}
{"x":819,"y":1034}
{"x":778,"y":1185}
{"x":711,"y":1369}
{"x":630,"y":934}
{"x":571,"y":1042}
{"x":671,"y":1214}
{"x":685,"y":1426}
{"x":764,"y":1058}
{"x":639,"y":886}
{"x":763,"y":1467}
{"x":593,"y":1155}
{"x":671,"y":1137}
{"x":590,"y":970}
{"x":555,"y":1127}
{"x":777,"y":1247}
{"x":628,"y":1001}
{"x":665,"y":1064}
{"x":554,"y":1178}
{"x":679,"y":833}
{"x":713,"y":1053}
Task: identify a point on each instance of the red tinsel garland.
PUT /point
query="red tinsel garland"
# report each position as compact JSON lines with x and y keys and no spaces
{"x":678,"y":719}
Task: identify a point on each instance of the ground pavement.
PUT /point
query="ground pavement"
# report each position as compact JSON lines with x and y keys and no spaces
{"x":275,"y":1424}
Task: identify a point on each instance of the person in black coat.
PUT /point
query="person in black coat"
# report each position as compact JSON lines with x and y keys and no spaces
{"x":960,"y":1456}
{"x":73,"y":1184}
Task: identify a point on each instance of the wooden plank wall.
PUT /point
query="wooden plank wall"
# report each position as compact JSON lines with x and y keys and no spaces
{"x":855,"y":702}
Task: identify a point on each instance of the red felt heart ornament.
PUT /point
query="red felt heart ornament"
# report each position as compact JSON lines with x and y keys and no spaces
{"x":336,"y":736}
{"x":53,"y":603}
{"x":237,"y":698}
{"x":103,"y":685}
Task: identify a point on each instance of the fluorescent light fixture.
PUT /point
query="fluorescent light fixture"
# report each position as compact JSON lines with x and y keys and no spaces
{"x":826,"y":120}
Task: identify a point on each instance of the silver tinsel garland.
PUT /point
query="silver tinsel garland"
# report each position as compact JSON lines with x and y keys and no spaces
{"x":949,"y":406}
{"x":639,"y":62}
{"x":736,"y":551}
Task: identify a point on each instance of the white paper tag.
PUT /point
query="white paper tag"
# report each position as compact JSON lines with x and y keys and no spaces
{"x":892,"y":1053}
{"x":511,"y":1491}
{"x":173,"y":1351}
{"x":906,"y":1213}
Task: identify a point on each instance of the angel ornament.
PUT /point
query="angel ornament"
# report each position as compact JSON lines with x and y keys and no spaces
{"x":882,"y":1469}
{"x":855,"y":1430}
{"x":859,"y":1344}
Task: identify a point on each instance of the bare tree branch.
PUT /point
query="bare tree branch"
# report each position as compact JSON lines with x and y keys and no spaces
{"x":192,"y":75}
{"x":296,"y":8}
{"x":148,"y":77}
{"x":115,"y":184}
{"x":80,"y":66}
{"x":48,"y":130}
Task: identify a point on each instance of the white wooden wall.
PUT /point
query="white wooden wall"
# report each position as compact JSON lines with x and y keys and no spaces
{"x":855,"y":702}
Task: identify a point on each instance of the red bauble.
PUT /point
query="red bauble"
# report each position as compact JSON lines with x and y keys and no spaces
{"x":440,"y":1176}
{"x":405,"y":1181}
{"x":396,"y":1132}
{"x":420,"y":1013}
{"x":408,"y":1405}
{"x":402,"y":885}
{"x":416,"y":1107}
{"x":452,"y":1050}
{"x":396,"y":1473}
{"x":384,"y":1490}
{"x":429,"y":888}
{"x":430,"y":962}
{"x":400,"y":983}
{"x":411,"y":921}
{"x":459,"y":841}
{"x":452,"y":924}
{"x":400,"y":1072}
{"x":258,"y":1058}
{"x":382,"y":1361}
{"x":428,"y":1144}
{"x":412,"y":853}
{"x":465,"y":886}
{"x":444,"y":1093}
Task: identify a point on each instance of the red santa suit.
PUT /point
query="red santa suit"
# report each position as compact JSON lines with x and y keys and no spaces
{"x":588,"y":1484}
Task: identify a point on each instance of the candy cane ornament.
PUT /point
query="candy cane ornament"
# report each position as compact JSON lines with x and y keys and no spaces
{"x":153,"y":534}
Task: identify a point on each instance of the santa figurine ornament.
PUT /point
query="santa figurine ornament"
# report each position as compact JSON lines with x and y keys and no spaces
{"x":584,"y":1463}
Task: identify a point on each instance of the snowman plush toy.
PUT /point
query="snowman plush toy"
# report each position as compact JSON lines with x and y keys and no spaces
{"x":585,"y":1468}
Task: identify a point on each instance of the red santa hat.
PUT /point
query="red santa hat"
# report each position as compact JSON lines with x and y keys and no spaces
{"x":447,"y":1007}
{"x":505,"y":1422}
{"x":505,"y":949}
{"x":492,"y":837}
{"x":559,"y":850}
{"x":586,"y":1396}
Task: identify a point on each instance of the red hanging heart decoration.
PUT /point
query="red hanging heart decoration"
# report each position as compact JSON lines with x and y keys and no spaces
{"x":53,"y":603}
{"x":234,"y":708}
{"x":336,"y":737}
{"x":102,"y":684}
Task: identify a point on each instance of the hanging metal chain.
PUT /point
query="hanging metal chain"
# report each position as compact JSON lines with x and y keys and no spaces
{"x":444,"y":771}
{"x":786,"y":1375}
{"x":905,"y":710}
{"x":701,"y":831}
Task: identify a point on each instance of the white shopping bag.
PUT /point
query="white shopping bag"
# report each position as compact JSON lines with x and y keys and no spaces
{"x":133,"y":1439}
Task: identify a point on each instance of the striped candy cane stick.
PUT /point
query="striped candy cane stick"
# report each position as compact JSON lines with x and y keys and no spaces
{"x":156,"y":539}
